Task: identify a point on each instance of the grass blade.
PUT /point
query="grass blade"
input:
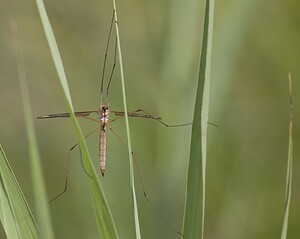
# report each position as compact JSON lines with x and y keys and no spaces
{"x":131,"y":168}
{"x":289,"y":169}
{"x":195,"y":196}
{"x":15,"y":215}
{"x":40,"y":197}
{"x":103,"y":215}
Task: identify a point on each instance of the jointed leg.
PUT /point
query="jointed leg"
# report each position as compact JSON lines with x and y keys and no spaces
{"x":69,"y":166}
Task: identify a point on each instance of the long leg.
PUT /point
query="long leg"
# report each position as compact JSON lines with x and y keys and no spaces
{"x":105,"y":61}
{"x":143,"y":188}
{"x":105,"y":58}
{"x":69,"y":165}
{"x":112,"y":70}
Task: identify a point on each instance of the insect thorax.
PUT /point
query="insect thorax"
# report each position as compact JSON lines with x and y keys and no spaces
{"x":103,"y":114}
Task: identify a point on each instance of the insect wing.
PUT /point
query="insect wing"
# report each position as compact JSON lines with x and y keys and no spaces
{"x":66,"y":115}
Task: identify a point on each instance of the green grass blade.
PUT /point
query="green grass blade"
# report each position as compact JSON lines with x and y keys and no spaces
{"x":289,"y":169}
{"x":40,"y":197}
{"x":103,"y":215}
{"x":15,"y":215}
{"x":131,"y":168}
{"x":195,"y":196}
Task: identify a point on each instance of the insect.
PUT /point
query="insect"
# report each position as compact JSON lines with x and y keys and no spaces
{"x":103,"y":116}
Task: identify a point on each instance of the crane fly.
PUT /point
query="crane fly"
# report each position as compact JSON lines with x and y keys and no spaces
{"x":103,"y":114}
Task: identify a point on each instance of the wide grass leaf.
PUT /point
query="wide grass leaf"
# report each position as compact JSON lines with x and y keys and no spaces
{"x":195,"y":196}
{"x":15,"y":215}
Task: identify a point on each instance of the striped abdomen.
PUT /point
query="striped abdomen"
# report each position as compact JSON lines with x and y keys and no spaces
{"x":102,"y":150}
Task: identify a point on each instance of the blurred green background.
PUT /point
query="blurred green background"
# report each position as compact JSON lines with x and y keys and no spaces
{"x":256,"y":44}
